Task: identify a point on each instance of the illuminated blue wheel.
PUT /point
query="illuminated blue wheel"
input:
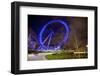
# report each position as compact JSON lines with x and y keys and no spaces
{"x":53,"y":35}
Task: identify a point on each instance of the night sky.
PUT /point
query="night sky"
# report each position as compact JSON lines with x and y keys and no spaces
{"x":36,"y":22}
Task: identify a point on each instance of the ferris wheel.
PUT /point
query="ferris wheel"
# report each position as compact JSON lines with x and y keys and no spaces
{"x":53,"y":35}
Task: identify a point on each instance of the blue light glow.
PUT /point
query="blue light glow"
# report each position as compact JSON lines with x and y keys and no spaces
{"x":63,"y":24}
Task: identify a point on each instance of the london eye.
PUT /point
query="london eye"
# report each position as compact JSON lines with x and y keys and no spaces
{"x":53,"y":35}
